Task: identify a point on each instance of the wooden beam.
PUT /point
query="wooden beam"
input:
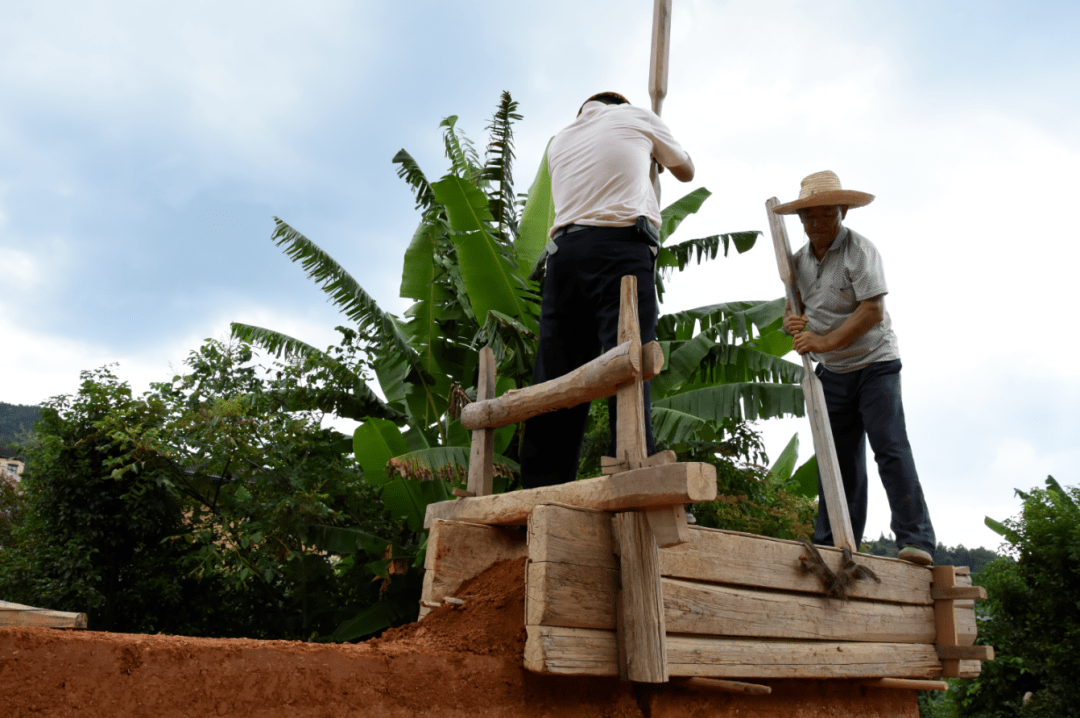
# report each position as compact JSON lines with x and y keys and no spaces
{"x":965,"y":653}
{"x":970,"y":593}
{"x":717,"y":684}
{"x":652,"y":360}
{"x":641,"y":634}
{"x":609,"y":465}
{"x":642,"y":488}
{"x":482,"y":452}
{"x":945,"y":619}
{"x":595,"y":380}
{"x":16,"y":614}
{"x":816,"y":409}
{"x":584,"y":651}
{"x":908,"y":684}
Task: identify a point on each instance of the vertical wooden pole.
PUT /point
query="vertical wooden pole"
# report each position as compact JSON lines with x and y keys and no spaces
{"x":945,"y":619}
{"x":482,"y":452}
{"x":816,"y":409}
{"x":641,"y":628}
{"x":658,"y":69}
{"x":630,"y":424}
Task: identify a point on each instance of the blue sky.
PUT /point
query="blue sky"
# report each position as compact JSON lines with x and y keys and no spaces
{"x":144,"y":149}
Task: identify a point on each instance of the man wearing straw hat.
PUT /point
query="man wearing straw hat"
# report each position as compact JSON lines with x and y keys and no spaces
{"x":847,"y":330}
{"x":607,"y":226}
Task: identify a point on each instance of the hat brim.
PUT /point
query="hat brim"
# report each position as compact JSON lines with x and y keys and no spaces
{"x":847,"y":197}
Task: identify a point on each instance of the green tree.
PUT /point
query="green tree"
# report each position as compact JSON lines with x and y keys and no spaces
{"x":1031,"y":616}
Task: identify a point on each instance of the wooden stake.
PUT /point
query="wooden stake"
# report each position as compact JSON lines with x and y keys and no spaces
{"x":816,"y":409}
{"x":908,"y":684}
{"x":482,"y":453}
{"x":640,"y":626}
{"x":630,"y":424}
{"x":717,"y":684}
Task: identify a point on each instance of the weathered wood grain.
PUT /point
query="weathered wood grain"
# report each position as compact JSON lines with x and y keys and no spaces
{"x":641,"y":488}
{"x":16,"y":614}
{"x":641,"y":634}
{"x":701,"y":608}
{"x":559,"y":594}
{"x":583,"y":651}
{"x":945,"y":619}
{"x":482,"y":451}
{"x":597,"y":379}
{"x":630,"y":419}
{"x":727,"y":557}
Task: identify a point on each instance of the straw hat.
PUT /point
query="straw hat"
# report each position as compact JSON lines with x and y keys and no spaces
{"x":821,"y":189}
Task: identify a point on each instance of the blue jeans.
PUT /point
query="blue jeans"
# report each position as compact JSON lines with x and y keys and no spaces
{"x":579,"y":317}
{"x":866,"y":404}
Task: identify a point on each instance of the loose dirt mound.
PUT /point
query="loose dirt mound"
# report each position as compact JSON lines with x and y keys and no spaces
{"x":459,"y":661}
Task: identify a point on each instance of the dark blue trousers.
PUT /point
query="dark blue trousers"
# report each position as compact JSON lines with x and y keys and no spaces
{"x":866,"y":404}
{"x":579,"y":318}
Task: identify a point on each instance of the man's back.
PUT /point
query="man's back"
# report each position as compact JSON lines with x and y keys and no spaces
{"x":599,"y":166}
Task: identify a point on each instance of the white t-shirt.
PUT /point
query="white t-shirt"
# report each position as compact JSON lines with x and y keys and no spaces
{"x":599,"y":166}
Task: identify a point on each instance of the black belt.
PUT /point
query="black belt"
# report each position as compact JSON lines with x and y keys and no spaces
{"x":648,"y":231}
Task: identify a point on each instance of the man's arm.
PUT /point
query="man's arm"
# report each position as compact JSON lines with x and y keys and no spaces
{"x":685,"y":171}
{"x":869,"y":312}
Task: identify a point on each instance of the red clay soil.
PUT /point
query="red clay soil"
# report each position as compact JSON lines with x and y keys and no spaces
{"x":459,"y":661}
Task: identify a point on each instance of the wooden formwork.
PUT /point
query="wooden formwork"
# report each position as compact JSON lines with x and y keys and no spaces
{"x":618,"y":583}
{"x":734,"y":605}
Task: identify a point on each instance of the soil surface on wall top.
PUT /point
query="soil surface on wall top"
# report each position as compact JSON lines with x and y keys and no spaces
{"x":459,"y":661}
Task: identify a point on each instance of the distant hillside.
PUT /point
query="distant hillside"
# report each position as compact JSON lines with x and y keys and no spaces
{"x":16,"y":421}
{"x":974,"y":558}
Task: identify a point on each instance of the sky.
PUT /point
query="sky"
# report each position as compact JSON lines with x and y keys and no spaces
{"x":145,"y":148}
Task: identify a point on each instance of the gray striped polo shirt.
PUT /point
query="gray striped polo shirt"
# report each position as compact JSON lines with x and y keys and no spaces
{"x":831,"y":289}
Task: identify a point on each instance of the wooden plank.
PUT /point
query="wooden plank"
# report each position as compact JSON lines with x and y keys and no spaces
{"x":816,"y":409}
{"x":458,"y":551}
{"x":16,"y":614}
{"x":563,"y":595}
{"x":732,"y":557}
{"x":641,"y":634}
{"x":583,"y":651}
{"x":641,"y":488}
{"x":701,"y":608}
{"x":966,"y":653}
{"x":910,"y":684}
{"x":728,"y":557}
{"x":482,"y":452}
{"x":571,"y":536}
{"x":945,"y":619}
{"x":630,"y":419}
{"x":597,"y":379}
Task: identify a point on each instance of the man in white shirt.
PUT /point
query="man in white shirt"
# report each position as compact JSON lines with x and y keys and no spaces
{"x":607,"y":224}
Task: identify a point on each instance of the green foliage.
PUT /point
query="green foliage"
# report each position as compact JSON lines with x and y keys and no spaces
{"x":1032,"y":617}
{"x":206,"y":507}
